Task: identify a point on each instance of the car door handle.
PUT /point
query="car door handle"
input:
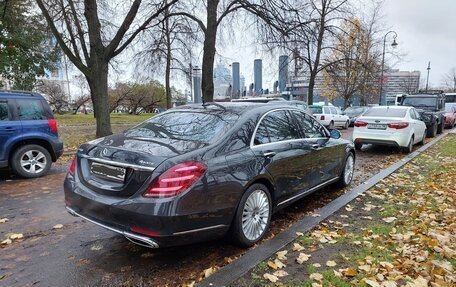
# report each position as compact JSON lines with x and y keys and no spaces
{"x":10,"y":129}
{"x":269,"y":154}
{"x":315,"y":146}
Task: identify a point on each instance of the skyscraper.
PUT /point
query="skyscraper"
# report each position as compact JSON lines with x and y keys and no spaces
{"x":236,"y":88}
{"x":283,"y":72}
{"x":258,"y":76}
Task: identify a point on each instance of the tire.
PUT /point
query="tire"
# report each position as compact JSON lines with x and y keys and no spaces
{"x":440,"y":128}
{"x":347,"y":123}
{"x":331,"y":125}
{"x":242,"y":233}
{"x":432,"y":132}
{"x":424,"y":137}
{"x":348,"y":171}
{"x":358,"y":146}
{"x":454,"y":124}
{"x":31,"y":161}
{"x":409,"y":148}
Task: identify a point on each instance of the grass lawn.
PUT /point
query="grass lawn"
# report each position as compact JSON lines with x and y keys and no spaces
{"x":70,"y":119}
{"x":399,"y":233}
{"x":77,"y":129}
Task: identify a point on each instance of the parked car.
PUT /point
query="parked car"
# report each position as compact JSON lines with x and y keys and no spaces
{"x":450,"y":115}
{"x":390,"y":125}
{"x":330,"y":116}
{"x":431,"y":107}
{"x":29,"y":139}
{"x":354,"y":112}
{"x":197,"y":172}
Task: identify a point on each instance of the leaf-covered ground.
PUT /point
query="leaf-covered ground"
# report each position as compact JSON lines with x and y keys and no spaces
{"x":402,"y":232}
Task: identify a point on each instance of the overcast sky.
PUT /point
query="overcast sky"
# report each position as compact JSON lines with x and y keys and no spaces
{"x":426,"y":32}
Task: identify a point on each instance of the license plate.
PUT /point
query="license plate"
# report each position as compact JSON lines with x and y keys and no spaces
{"x":108,"y":172}
{"x":376,"y":126}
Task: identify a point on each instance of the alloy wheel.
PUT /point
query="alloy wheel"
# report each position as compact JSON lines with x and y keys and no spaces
{"x":33,"y":161}
{"x":348,"y":171}
{"x":255,"y":215}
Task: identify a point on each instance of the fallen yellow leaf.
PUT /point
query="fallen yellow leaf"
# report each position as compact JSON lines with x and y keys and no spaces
{"x":270,"y":277}
{"x":303,"y":258}
{"x":331,"y":263}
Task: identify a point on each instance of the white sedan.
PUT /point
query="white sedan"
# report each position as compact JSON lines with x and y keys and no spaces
{"x":390,"y":125}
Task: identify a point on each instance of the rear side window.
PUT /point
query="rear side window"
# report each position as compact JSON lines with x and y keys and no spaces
{"x":316,"y":110}
{"x":309,"y":126}
{"x":326,"y":111}
{"x":30,"y":109}
{"x":187,"y":126}
{"x":386,"y":112}
{"x":276,"y":126}
{"x":4,"y":114}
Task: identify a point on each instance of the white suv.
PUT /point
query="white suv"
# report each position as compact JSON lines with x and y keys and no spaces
{"x":330,"y":116}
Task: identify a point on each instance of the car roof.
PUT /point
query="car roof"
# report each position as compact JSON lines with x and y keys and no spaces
{"x":392,"y":107}
{"x":18,"y":94}
{"x":234,"y":107}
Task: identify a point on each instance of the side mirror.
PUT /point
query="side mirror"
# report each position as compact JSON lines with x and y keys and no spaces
{"x":334,"y":134}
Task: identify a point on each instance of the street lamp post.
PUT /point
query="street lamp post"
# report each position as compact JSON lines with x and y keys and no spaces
{"x":394,"y":44}
{"x":427,"y":78}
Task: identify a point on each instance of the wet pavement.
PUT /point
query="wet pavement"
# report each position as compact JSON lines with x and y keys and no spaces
{"x":83,"y":254}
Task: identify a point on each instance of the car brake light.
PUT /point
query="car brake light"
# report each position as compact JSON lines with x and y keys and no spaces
{"x":72,"y":169}
{"x":322,"y":118}
{"x":175,"y":180}
{"x":398,"y":125}
{"x":53,"y":126}
{"x":360,"y":124}
{"x":143,"y":231}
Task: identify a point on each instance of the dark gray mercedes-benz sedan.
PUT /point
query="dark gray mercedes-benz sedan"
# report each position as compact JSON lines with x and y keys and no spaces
{"x":198,"y":172}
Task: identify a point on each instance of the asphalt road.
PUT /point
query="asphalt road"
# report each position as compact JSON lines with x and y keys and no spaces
{"x":82,"y":254}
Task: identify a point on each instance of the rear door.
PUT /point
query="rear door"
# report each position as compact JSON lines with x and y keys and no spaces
{"x":10,"y":129}
{"x":280,"y":148}
{"x":418,"y":125}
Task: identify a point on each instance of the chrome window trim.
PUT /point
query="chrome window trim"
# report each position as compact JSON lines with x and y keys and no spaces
{"x":252,"y":139}
{"x":121,"y":164}
{"x":308,"y":190}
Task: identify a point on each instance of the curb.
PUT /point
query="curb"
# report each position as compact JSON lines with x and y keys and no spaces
{"x":251,"y":258}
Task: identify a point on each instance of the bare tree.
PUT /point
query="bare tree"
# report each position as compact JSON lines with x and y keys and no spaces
{"x":88,"y":36}
{"x":216,"y":12}
{"x":315,"y":23}
{"x":449,"y":81}
{"x":80,"y":102}
{"x":169,"y":46}
{"x":55,"y":95}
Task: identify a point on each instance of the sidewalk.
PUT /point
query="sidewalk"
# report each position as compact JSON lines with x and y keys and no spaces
{"x":402,"y":232}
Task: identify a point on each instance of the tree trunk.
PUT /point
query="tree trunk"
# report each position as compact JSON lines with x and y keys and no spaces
{"x":311,"y":88}
{"x":169,"y":103}
{"x":98,"y":83}
{"x":207,"y":77}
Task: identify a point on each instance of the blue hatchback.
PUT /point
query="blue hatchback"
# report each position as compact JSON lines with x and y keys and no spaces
{"x":29,"y":140}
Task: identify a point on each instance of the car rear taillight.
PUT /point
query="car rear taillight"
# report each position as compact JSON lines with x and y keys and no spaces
{"x":72,"y":169}
{"x":175,"y":180}
{"x":53,"y":126}
{"x":322,"y":118}
{"x":398,"y":125}
{"x":360,"y":124}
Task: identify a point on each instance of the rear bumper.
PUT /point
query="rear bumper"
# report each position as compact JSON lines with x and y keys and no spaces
{"x":162,"y":224}
{"x":138,"y":239}
{"x":58,"y":149}
{"x":372,"y":137}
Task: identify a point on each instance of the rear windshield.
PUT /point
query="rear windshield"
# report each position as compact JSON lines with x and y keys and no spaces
{"x":420,"y":101}
{"x":316,"y":110}
{"x":354,"y":111}
{"x":188,"y":126}
{"x":386,"y":112}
